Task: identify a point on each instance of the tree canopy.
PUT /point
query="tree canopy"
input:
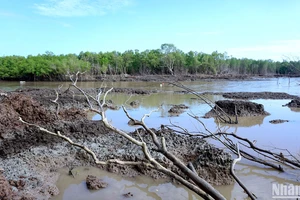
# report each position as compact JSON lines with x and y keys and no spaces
{"x":166,"y":60}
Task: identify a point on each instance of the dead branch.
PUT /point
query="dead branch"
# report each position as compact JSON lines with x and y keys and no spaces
{"x":86,"y":149}
{"x":3,"y":94}
{"x":200,"y":186}
{"x":219,"y":111}
{"x":206,"y":187}
{"x":239,"y":158}
{"x":55,"y":100}
{"x":275,"y":156}
{"x":230,"y":145}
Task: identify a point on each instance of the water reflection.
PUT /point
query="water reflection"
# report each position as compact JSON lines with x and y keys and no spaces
{"x":287,"y":85}
{"x":244,"y":122}
{"x":257,"y":180}
{"x":295,"y":109}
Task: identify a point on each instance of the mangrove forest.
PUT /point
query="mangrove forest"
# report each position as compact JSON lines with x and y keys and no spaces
{"x":166,"y":60}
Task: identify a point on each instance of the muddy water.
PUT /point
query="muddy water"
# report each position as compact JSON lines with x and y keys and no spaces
{"x":290,"y":86}
{"x":257,"y":178}
{"x":141,"y":187}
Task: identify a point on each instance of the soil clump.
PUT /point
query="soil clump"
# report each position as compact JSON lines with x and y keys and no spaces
{"x":278,"y":121}
{"x":295,"y":103}
{"x":239,"y":108}
{"x":176,"y":110}
{"x":259,"y":95}
{"x":94,"y":183}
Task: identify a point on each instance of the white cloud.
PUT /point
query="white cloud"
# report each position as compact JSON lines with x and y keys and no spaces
{"x":276,"y":50}
{"x":69,"y":8}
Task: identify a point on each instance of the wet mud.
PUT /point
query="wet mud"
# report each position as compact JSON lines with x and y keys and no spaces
{"x":30,"y":158}
{"x":237,"y":108}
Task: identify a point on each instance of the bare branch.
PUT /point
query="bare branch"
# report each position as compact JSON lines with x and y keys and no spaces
{"x":86,"y":149}
{"x":105,"y":96}
{"x":208,"y":102}
{"x":3,"y":94}
{"x":239,"y":158}
{"x":55,"y":100}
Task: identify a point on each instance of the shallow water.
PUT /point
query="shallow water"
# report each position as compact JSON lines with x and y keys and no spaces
{"x":288,"y":85}
{"x":256,"y":177}
{"x":257,"y":180}
{"x":141,"y":187}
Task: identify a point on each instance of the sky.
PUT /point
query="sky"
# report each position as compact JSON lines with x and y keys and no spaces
{"x":258,"y":29}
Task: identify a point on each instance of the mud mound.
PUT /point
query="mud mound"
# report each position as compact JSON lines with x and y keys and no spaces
{"x":27,"y":108}
{"x":135,"y":104}
{"x":16,"y":137}
{"x":176,"y":110}
{"x":258,"y":95}
{"x":241,"y":108}
{"x":212,"y":165}
{"x":278,"y":121}
{"x":16,"y":105}
{"x":132,"y":91}
{"x":94,"y":183}
{"x":9,"y":118}
{"x":187,"y":149}
{"x":295,"y":103}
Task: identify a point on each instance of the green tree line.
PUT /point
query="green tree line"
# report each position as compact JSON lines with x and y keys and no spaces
{"x":166,"y":60}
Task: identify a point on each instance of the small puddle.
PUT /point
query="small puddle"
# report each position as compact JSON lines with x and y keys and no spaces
{"x":258,"y":180}
{"x":141,"y":187}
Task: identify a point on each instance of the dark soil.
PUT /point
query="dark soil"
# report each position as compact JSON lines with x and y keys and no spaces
{"x":295,"y":103}
{"x":30,"y":158}
{"x":176,"y":110}
{"x":5,"y":189}
{"x":135,"y":104}
{"x":239,"y":108}
{"x":94,"y":183}
{"x":259,"y":95}
{"x":278,"y":121}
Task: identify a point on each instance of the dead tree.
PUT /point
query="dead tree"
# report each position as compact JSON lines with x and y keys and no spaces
{"x":97,"y":104}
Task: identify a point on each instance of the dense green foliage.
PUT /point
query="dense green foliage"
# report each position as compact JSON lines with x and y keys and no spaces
{"x":166,"y":60}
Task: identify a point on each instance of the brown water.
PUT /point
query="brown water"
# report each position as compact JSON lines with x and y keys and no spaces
{"x":257,"y":180}
{"x":256,"y":177}
{"x":141,"y":187}
{"x":290,"y":86}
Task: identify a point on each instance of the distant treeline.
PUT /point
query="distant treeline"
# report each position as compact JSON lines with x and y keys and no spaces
{"x":166,"y":60}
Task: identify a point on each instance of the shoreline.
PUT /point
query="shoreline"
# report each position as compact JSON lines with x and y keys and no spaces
{"x":164,"y":78}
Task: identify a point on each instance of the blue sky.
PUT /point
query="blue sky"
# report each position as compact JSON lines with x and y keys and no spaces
{"x":259,"y":29}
